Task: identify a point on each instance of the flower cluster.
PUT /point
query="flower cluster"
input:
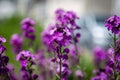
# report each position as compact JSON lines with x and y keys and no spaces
{"x":100,"y":57}
{"x":111,"y":70}
{"x":113,"y":24}
{"x":16,"y":42}
{"x":4,"y":71}
{"x":12,"y":74}
{"x":27,"y":27}
{"x":107,"y":72}
{"x":26,"y":60}
{"x":58,"y":36}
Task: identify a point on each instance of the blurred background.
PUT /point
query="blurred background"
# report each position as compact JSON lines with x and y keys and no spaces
{"x":92,"y":15}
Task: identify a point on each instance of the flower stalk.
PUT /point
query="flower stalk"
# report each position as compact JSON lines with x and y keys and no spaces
{"x":115,"y":73}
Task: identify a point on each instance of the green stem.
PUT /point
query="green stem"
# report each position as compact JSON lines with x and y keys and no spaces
{"x":29,"y":70}
{"x":115,"y":73}
{"x":60,"y":69}
{"x":60,"y":66}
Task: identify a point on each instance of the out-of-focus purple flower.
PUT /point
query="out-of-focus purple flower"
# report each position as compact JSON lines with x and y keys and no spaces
{"x":66,"y":50}
{"x":24,"y":57}
{"x":66,"y":17}
{"x":40,"y":57}
{"x":113,"y":24}
{"x":2,"y":49}
{"x":28,"y":30}
{"x":12,"y":74}
{"x":26,"y":23}
{"x":24,"y":73}
{"x":65,"y":71}
{"x":35,"y":76}
{"x":99,"y":57}
{"x":4,"y":72}
{"x":118,"y":63}
{"x":46,"y":37}
{"x":79,"y":74}
{"x":16,"y":42}
{"x":28,"y":35}
{"x":112,"y":65}
{"x":109,"y":71}
{"x":2,"y":39}
{"x":101,"y":76}
{"x":78,"y":35}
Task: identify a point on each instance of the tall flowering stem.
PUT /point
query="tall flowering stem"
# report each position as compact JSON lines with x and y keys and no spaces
{"x":114,"y":39}
{"x":28,"y":30}
{"x":16,"y":42}
{"x":60,"y":66}
{"x":26,"y":61}
{"x":113,"y":24}
{"x":111,"y":70}
{"x":58,"y":37}
{"x":4,"y":72}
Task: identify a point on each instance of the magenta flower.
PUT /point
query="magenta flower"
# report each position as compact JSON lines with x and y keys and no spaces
{"x":27,"y":28}
{"x":101,"y":76}
{"x":2,"y":40}
{"x":58,"y":37}
{"x":2,"y":49}
{"x":24,"y":57}
{"x":113,"y":24}
{"x":16,"y":42}
{"x":26,"y":23}
{"x":100,"y":57}
{"x":4,"y":72}
{"x":79,"y":74}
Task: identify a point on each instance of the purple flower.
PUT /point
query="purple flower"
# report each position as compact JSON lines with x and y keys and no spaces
{"x":66,"y":17}
{"x":27,"y":28}
{"x":110,"y":58}
{"x":28,"y":22}
{"x":109,"y":71}
{"x":28,"y":35}
{"x":35,"y":76}
{"x":78,"y":35}
{"x":101,"y":76}
{"x":2,"y":40}
{"x":2,"y":49}
{"x":40,"y":57}
{"x":99,"y":57}
{"x":16,"y":42}
{"x":4,"y":72}
{"x":66,"y":50}
{"x":112,"y":24}
{"x":58,"y":37}
{"x":65,"y":71}
{"x":118,"y":63}
{"x":24,"y":57}
{"x":12,"y":74}
{"x":79,"y":74}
